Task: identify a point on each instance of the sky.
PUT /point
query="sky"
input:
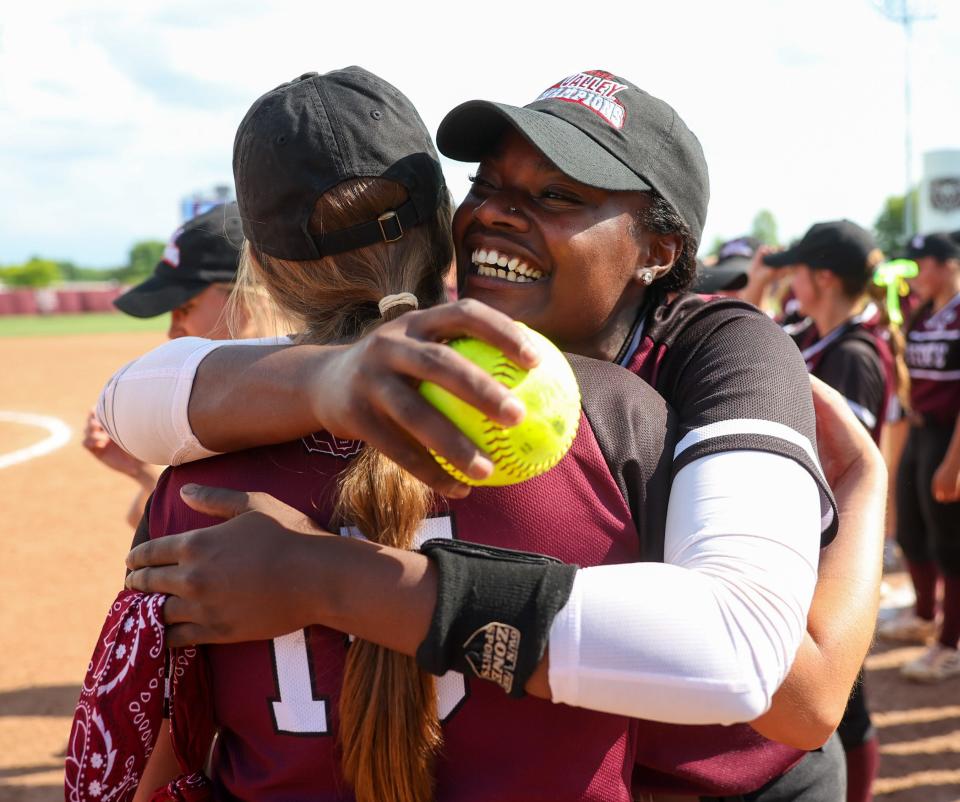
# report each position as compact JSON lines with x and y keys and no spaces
{"x":112,"y":112}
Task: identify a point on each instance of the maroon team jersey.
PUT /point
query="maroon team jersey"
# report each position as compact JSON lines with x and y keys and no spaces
{"x":933,"y":357}
{"x":275,"y":702}
{"x":723,"y":366}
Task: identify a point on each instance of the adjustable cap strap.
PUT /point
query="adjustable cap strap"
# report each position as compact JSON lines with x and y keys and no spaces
{"x":388,"y":227}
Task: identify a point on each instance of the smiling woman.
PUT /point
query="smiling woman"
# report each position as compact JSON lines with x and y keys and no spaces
{"x":580,"y":307}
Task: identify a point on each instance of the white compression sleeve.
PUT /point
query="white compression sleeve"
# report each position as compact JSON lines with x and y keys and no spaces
{"x":709,"y":636}
{"x":144,"y":405}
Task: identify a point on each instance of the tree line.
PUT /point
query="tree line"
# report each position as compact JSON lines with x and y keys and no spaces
{"x":38,"y":272}
{"x":888,"y":228}
{"x":143,"y":257}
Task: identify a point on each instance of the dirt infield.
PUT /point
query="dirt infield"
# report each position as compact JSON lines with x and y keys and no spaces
{"x":64,"y":539}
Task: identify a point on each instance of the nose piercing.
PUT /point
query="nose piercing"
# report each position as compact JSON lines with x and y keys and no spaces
{"x":513,"y":210}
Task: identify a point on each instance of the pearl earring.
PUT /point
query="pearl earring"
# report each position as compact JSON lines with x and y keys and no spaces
{"x":647,"y":277}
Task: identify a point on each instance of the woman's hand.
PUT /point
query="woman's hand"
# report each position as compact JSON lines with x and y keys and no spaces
{"x":945,"y":486}
{"x":264,"y":573}
{"x":759,"y":277}
{"x":219,"y":577}
{"x":842,"y":441}
{"x":370,"y":388}
{"x":366,"y":391}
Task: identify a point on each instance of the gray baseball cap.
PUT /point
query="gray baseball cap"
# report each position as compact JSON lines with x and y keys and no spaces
{"x":600,"y":130}
{"x":310,"y":134}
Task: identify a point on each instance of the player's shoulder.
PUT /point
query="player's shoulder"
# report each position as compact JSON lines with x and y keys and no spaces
{"x":854,"y":358}
{"x":919,"y":318}
{"x":605,"y":384}
{"x":858,"y":343}
{"x":705,"y":332}
{"x":689,"y":318}
{"x":290,"y":471}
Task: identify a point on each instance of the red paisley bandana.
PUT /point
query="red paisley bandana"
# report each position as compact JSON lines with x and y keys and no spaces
{"x":128,"y":689}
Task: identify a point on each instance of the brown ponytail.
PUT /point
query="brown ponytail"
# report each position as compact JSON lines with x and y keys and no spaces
{"x":389,"y":727}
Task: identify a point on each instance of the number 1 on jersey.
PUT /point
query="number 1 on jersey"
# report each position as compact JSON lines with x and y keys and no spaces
{"x":297,"y":711}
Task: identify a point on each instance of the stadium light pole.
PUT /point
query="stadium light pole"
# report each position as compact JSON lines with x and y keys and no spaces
{"x":905,"y":13}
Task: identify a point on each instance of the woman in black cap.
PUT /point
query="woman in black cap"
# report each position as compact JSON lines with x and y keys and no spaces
{"x":583,"y":222}
{"x":928,"y":481}
{"x":192,"y":282}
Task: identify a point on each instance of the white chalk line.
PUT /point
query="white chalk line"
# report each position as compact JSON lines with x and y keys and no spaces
{"x":59,"y":436}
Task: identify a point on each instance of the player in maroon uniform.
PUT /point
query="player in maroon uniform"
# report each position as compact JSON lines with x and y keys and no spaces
{"x":928,"y":512}
{"x":727,"y":409}
{"x":833,"y":266}
{"x":192,"y":282}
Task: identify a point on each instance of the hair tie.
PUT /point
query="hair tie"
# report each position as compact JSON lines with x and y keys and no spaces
{"x":397,"y":299}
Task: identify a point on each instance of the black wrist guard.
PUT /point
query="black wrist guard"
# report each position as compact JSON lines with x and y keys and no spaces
{"x":494,"y":611}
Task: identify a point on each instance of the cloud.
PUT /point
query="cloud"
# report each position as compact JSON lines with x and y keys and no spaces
{"x":160,"y":67}
{"x":113,"y":111}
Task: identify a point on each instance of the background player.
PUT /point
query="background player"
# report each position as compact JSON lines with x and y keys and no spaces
{"x":928,"y":512}
{"x":728,"y":274}
{"x":192,"y":282}
{"x":832,"y":270}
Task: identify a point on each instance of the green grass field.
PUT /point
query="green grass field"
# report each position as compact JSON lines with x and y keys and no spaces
{"x":83,"y":323}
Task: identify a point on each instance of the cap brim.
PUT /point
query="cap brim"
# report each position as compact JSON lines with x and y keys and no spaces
{"x":156,"y":296}
{"x":720,"y":277}
{"x":782,"y":258}
{"x":472,"y":130}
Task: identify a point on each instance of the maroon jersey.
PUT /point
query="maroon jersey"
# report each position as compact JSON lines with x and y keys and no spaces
{"x":933,"y":357}
{"x":855,"y":360}
{"x":275,"y":702}
{"x":723,"y":366}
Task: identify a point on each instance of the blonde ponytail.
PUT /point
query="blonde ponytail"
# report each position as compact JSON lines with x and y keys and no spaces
{"x":389,"y":728}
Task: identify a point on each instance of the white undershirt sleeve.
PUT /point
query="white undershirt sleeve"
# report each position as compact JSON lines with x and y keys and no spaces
{"x":707,"y":637}
{"x":144,"y":405}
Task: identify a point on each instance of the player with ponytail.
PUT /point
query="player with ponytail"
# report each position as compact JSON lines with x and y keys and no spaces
{"x":348,"y":222}
{"x":389,"y":731}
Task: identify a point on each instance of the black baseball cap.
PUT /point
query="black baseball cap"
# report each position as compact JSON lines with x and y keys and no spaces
{"x":732,"y":268}
{"x":203,"y":251}
{"x":840,"y":246}
{"x":316,"y":131}
{"x":600,"y":130}
{"x":939,"y":245}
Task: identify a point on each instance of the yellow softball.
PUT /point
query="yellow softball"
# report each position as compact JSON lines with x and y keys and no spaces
{"x":552,"y":399}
